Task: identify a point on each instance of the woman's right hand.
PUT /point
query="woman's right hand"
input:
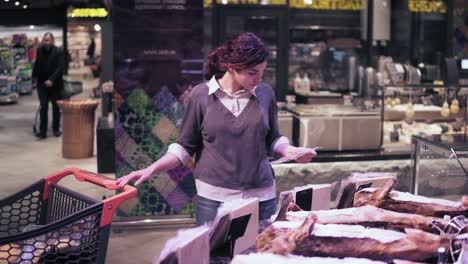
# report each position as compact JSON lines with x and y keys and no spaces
{"x":139,"y":175}
{"x":165,"y":163}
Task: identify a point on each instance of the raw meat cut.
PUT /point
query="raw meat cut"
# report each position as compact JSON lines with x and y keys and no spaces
{"x":408,"y":203}
{"x":311,"y":239}
{"x":371,"y":216}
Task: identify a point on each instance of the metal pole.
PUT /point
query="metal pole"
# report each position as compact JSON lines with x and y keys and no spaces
{"x":414,"y":165}
{"x":370,"y":33}
{"x":154,"y":223}
{"x":449,"y":28}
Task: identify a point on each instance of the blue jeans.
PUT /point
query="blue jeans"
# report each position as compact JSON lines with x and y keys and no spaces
{"x":206,"y":209}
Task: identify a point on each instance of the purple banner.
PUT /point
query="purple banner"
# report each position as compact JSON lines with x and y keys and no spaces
{"x":158,"y":58}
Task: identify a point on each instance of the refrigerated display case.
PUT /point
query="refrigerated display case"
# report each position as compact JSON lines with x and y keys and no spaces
{"x":337,"y":127}
{"x":327,"y":55}
{"x":285,"y":123}
{"x":384,"y":122}
{"x":439,"y":166}
{"x":421,"y":110}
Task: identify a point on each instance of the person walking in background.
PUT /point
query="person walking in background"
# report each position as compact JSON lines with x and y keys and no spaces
{"x":47,"y":76}
{"x":231,"y":125}
{"x":91,"y":50}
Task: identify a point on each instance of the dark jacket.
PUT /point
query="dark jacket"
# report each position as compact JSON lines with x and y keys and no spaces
{"x":49,"y":65}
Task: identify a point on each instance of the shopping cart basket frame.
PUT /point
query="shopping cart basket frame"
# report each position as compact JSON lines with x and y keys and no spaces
{"x":78,"y":233}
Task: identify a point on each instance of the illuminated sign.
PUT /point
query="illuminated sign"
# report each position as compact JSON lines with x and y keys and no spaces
{"x":350,"y":5}
{"x":87,"y":12}
{"x":208,"y":3}
{"x":427,"y":6}
{"x":353,"y":5}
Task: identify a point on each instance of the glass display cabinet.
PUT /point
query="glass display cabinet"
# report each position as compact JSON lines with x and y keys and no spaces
{"x":335,"y":127}
{"x":420,"y":110}
{"x":326,"y":56}
{"x":439,"y":166}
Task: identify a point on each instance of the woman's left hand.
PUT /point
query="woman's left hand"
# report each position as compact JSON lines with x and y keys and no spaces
{"x":301,"y":155}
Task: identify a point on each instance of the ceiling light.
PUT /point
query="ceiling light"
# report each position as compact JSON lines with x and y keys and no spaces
{"x":31,"y":27}
{"x":7,"y":0}
{"x":97,"y":27}
{"x":17,"y":3}
{"x":25,"y":6}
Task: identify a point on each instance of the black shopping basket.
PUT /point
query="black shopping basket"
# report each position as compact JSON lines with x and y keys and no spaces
{"x":48,"y":223}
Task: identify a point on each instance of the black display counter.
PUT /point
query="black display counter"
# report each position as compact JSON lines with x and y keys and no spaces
{"x":361,"y":155}
{"x":105,"y":146}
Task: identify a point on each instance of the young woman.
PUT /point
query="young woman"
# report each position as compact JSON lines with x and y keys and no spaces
{"x":231,"y":126}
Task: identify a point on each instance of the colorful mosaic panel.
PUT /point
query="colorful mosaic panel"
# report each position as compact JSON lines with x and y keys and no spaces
{"x":123,"y":169}
{"x":178,"y":199}
{"x":167,"y":104}
{"x":152,"y":202}
{"x":119,"y":160}
{"x":137,"y":101}
{"x":178,"y":174}
{"x":142,"y":136}
{"x":176,"y":114}
{"x":163,"y":184}
{"x":126,"y":146}
{"x":150,"y":117}
{"x":164,"y":100}
{"x":153,"y":146}
{"x":150,"y":85}
{"x":165,"y":130}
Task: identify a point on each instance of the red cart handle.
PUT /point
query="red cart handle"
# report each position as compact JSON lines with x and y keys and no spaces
{"x":110,"y":204}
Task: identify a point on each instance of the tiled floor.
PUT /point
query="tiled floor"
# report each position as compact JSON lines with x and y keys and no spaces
{"x":24,"y":160}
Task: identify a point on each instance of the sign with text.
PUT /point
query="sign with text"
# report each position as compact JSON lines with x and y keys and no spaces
{"x":344,"y":5}
{"x":353,"y":5}
{"x":87,"y":13}
{"x":427,"y":6}
{"x":208,"y":3}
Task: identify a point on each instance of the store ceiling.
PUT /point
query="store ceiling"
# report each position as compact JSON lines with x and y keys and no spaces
{"x":10,"y":4}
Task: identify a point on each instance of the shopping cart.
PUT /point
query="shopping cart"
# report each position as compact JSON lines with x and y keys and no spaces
{"x":48,"y":223}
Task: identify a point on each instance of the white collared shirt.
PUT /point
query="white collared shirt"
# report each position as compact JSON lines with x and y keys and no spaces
{"x":236,"y":104}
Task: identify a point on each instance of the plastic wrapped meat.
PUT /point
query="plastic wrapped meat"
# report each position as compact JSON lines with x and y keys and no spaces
{"x":368,"y":215}
{"x":408,"y":203}
{"x":311,"y":239}
{"x":269,"y":258}
{"x":293,"y":259}
{"x":371,"y":216}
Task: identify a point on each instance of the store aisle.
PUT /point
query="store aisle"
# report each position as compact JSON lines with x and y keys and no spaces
{"x":24,"y":160}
